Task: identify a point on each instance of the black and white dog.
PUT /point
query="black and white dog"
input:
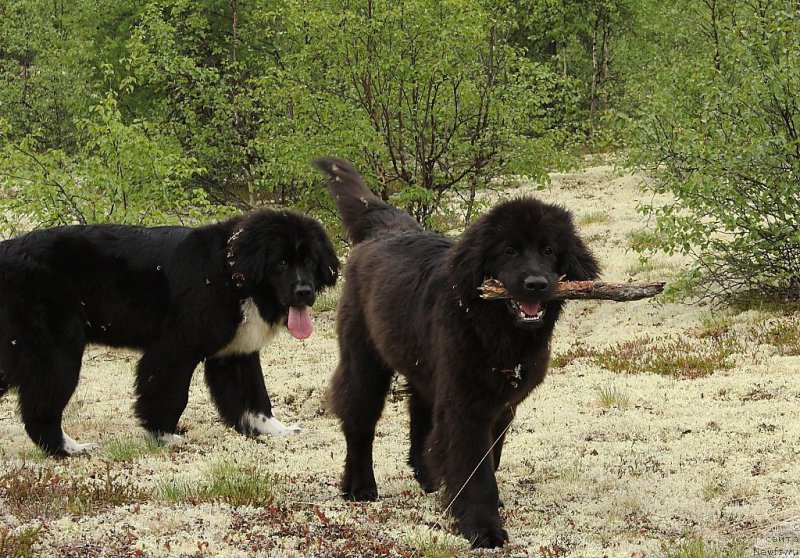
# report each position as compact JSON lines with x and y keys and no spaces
{"x":182,"y":295}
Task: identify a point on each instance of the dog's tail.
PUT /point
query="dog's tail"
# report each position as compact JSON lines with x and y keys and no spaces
{"x":364,"y":214}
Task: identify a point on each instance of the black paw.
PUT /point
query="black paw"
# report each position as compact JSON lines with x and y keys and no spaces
{"x":360,"y":494}
{"x":427,"y":484}
{"x":359,"y":488}
{"x":486,"y":537}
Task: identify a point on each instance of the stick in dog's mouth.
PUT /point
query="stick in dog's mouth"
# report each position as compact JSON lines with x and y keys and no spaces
{"x":493,"y":289}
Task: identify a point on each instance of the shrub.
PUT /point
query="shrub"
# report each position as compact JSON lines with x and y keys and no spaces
{"x":722,"y":140}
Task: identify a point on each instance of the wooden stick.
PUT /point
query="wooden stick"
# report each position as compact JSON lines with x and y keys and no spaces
{"x":492,"y":289}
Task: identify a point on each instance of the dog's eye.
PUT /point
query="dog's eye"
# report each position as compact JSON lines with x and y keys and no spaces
{"x":547,"y":250}
{"x":511,"y":251}
{"x":282,"y":264}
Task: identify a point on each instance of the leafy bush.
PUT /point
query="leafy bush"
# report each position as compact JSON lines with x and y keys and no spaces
{"x":135,"y":111}
{"x":123,"y":173}
{"x":428,"y":99}
{"x":722,"y":139}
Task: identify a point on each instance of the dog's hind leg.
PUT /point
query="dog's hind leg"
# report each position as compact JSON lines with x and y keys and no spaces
{"x":237,"y":387}
{"x":420,"y":427}
{"x":42,"y":338}
{"x":356,"y":395}
{"x":47,"y":378}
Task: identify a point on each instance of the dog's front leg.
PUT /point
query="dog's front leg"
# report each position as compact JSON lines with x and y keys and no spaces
{"x":237,"y":387}
{"x":163,"y":376}
{"x":468,"y":470}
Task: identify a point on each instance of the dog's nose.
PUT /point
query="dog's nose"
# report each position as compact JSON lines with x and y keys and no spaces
{"x":303,"y":291}
{"x":536,"y":283}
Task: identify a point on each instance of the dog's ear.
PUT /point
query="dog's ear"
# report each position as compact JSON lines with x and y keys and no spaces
{"x":578,"y":263}
{"x":247,"y":251}
{"x":467,"y":264}
{"x":327,"y":261}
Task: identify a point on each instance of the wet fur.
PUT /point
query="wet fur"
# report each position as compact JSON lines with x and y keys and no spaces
{"x":177,"y":293}
{"x":410,"y":305}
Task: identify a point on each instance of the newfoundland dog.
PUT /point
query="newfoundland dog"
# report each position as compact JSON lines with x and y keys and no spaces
{"x":411,"y":304}
{"x":182,"y":295}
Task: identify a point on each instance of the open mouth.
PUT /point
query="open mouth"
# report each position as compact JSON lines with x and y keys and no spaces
{"x":527,"y":312}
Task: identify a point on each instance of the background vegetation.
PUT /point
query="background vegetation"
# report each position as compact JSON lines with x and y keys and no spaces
{"x":173,"y":110}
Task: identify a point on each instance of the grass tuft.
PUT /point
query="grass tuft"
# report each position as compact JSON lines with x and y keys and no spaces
{"x":429,"y":544}
{"x":595,"y":217}
{"x":19,"y":545}
{"x":698,"y":548}
{"x":328,"y":299}
{"x":612,"y":397}
{"x":129,"y":449}
{"x":228,"y":482}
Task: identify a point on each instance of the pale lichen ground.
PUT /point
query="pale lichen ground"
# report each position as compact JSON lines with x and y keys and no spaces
{"x":714,"y":457}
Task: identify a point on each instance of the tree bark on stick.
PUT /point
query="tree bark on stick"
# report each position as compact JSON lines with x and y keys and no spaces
{"x":492,"y":289}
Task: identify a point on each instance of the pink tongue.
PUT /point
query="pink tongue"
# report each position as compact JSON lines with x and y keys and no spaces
{"x":530,"y":308}
{"x":299,"y":322}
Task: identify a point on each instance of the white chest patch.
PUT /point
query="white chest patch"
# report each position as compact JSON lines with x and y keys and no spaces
{"x":252,"y":334}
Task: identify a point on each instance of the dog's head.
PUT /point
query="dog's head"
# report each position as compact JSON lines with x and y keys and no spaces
{"x":282,"y":260}
{"x":528,"y":245}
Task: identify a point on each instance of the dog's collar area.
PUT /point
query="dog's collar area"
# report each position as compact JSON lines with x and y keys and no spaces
{"x":512,"y":375}
{"x":237,"y":277}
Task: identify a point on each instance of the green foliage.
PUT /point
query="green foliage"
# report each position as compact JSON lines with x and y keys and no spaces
{"x":582,"y":42}
{"x":437,"y":95}
{"x":675,"y":357}
{"x":129,"y":449}
{"x":428,"y":99}
{"x":228,"y":482}
{"x":161,"y":111}
{"x":720,"y":137}
{"x":44,"y":75}
{"x":122,"y":173}
{"x":136,"y":113}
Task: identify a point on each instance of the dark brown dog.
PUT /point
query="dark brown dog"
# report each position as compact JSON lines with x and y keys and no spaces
{"x":410,"y":304}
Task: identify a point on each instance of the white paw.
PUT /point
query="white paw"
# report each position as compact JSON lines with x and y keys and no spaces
{"x":72,"y":447}
{"x":291,"y":430}
{"x":259,"y":423}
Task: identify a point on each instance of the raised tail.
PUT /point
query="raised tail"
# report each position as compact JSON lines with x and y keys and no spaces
{"x":363,"y":213}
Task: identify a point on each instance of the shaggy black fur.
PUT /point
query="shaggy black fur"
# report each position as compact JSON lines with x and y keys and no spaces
{"x":410,"y":304}
{"x":177,"y":293}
